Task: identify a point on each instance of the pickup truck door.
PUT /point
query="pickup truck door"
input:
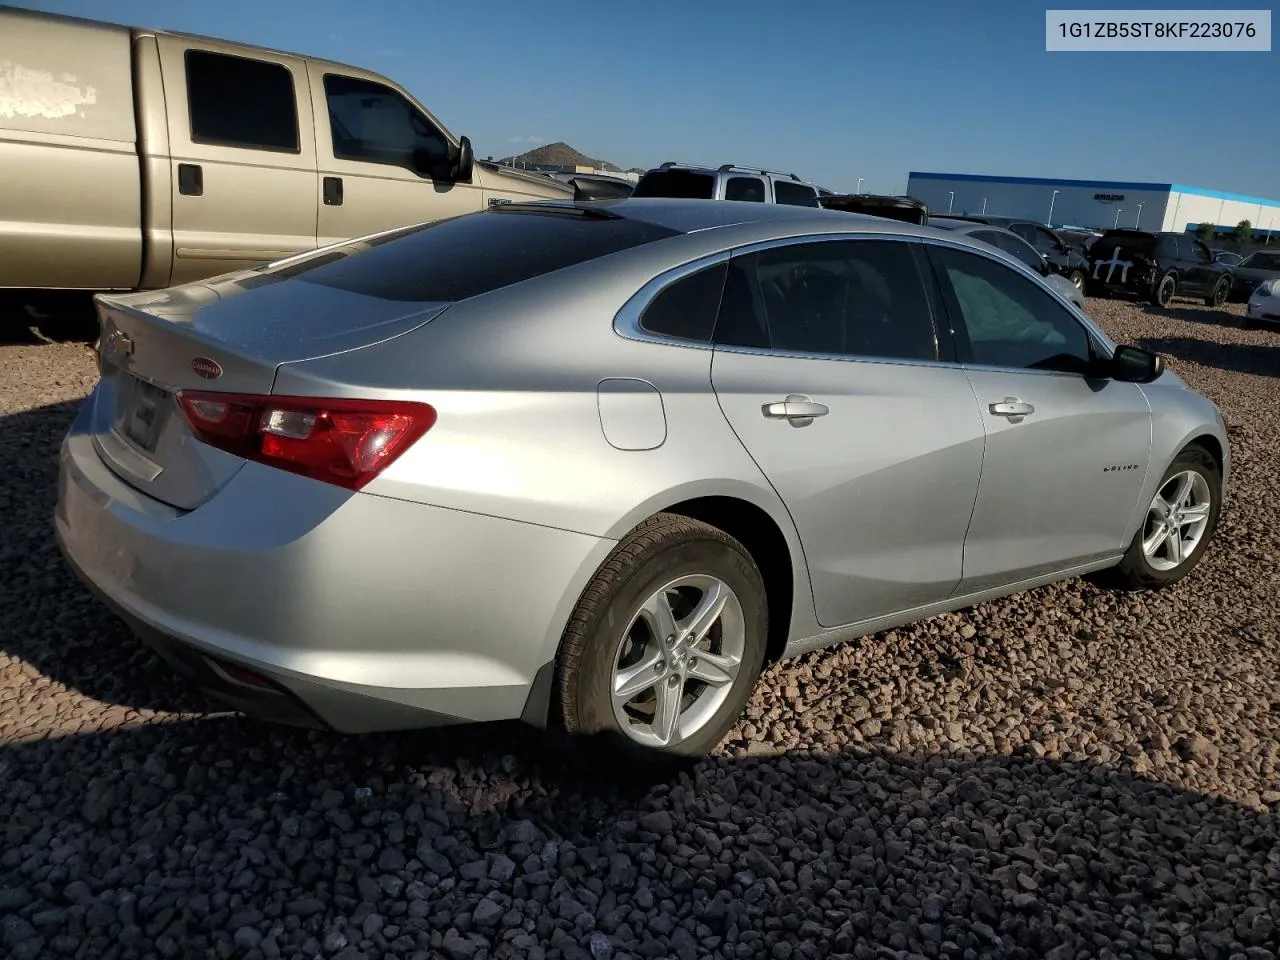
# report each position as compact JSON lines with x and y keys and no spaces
{"x":242,"y":149}
{"x":382,"y":159}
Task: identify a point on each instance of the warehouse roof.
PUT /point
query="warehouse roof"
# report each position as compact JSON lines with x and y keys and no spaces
{"x":1098,"y":185}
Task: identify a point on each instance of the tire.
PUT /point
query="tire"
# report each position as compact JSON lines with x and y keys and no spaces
{"x":1221,"y":290}
{"x":608,"y":633}
{"x":1077,"y":277}
{"x":1139,"y":571}
{"x":1166,"y":289}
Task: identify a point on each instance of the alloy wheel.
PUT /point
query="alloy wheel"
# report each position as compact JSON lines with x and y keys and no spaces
{"x":677,"y":660}
{"x":1176,"y":520}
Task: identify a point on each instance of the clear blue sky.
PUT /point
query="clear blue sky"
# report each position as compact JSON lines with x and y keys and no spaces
{"x":831,"y":90}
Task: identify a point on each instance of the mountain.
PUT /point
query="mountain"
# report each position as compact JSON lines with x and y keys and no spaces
{"x":560,"y":154}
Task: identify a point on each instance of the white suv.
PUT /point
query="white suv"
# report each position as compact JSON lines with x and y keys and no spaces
{"x":729,"y":182}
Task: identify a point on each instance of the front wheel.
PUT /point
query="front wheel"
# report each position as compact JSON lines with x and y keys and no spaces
{"x":666,"y":643}
{"x":1220,"y":293}
{"x":1179,"y":523}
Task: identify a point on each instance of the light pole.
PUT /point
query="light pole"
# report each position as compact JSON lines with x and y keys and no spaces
{"x":1138,"y":219}
{"x":1119,"y":211}
{"x":951,"y":198}
{"x":984,"y":206}
{"x":1051,"y":201}
{"x":858,"y":188}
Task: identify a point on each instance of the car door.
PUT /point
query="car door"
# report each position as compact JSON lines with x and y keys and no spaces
{"x":1203,"y":271}
{"x":828,"y":367}
{"x":1066,"y":452}
{"x":383,"y":162}
{"x":242,"y":152}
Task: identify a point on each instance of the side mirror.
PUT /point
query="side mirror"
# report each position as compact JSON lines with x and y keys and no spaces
{"x":464,"y":162}
{"x":1131,"y":364}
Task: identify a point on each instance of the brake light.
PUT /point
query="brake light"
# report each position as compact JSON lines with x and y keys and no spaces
{"x":345,"y":442}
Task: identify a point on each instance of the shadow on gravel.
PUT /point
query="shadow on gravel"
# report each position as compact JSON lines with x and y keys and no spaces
{"x":47,"y":618}
{"x":1205,"y":315}
{"x":35,"y":316}
{"x":220,"y":837}
{"x":1262,"y":360}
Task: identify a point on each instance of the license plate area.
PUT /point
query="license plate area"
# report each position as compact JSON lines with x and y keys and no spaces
{"x":143,"y":410}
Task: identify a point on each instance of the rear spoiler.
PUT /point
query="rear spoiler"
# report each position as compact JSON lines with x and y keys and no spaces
{"x":906,"y":209}
{"x":587,"y":187}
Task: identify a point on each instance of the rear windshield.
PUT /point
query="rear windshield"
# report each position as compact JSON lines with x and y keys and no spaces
{"x":450,"y":260}
{"x":1125,"y":239}
{"x":681,"y":184}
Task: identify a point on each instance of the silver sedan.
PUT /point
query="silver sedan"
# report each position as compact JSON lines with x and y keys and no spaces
{"x":593,"y":465}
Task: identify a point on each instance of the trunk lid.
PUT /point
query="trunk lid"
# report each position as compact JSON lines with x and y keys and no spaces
{"x":230,"y":334}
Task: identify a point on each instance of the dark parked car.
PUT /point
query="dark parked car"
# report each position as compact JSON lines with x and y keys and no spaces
{"x":1061,"y":257}
{"x":1256,"y":268}
{"x":1078,"y":239}
{"x":1157,"y":267}
{"x":906,"y":209}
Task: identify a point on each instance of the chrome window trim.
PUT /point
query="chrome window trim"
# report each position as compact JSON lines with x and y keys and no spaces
{"x":626,"y":322}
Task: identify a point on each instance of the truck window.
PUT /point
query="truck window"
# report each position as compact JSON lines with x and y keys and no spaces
{"x":375,"y":124}
{"x":239,"y":102}
{"x":750,"y":189}
{"x":795,"y":194}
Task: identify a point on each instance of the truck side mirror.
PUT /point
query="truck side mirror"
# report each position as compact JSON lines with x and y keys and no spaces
{"x":464,"y":162}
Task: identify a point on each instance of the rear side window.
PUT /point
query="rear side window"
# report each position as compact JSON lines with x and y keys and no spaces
{"x":681,"y":184}
{"x":462,"y":257}
{"x":239,"y":102}
{"x":750,"y":189}
{"x":795,"y":194}
{"x":687,"y":308}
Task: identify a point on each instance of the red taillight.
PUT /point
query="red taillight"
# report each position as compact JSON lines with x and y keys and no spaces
{"x":347,"y":442}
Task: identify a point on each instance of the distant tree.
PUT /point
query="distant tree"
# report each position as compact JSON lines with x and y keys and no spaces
{"x":1243,"y":232}
{"x":1205,"y":231}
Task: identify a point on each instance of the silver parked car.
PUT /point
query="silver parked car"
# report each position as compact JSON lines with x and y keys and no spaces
{"x":593,"y":465}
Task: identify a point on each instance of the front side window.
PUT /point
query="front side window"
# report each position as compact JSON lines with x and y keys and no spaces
{"x":240,"y":102}
{"x":1200,"y":253}
{"x":687,"y":308}
{"x":1025,"y":230}
{"x":372,"y":123}
{"x":795,"y":194}
{"x":1008,"y":319}
{"x":857,"y":298}
{"x":745,"y":188}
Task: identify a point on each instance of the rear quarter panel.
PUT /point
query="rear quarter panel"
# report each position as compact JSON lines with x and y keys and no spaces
{"x":70,"y":198}
{"x":514,"y":376}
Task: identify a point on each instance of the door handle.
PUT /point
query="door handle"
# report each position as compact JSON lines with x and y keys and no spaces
{"x":191,"y":179}
{"x":1013,"y":408}
{"x":333,"y":191}
{"x":797,"y":409}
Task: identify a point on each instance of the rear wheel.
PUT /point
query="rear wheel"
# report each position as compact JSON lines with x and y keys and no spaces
{"x":666,"y":643}
{"x":1164,"y":291}
{"x":1178,"y":525}
{"x":1220,"y":293}
{"x":1077,"y":277}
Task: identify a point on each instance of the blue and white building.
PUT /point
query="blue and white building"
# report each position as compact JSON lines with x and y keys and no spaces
{"x":1097,"y":204}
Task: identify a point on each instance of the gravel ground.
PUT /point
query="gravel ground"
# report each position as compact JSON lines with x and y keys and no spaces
{"x":1071,"y":773}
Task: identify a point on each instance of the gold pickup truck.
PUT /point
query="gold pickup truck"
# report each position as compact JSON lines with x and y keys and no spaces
{"x":137,"y":159}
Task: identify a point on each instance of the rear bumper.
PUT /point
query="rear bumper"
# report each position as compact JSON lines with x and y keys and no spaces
{"x":361,"y":612}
